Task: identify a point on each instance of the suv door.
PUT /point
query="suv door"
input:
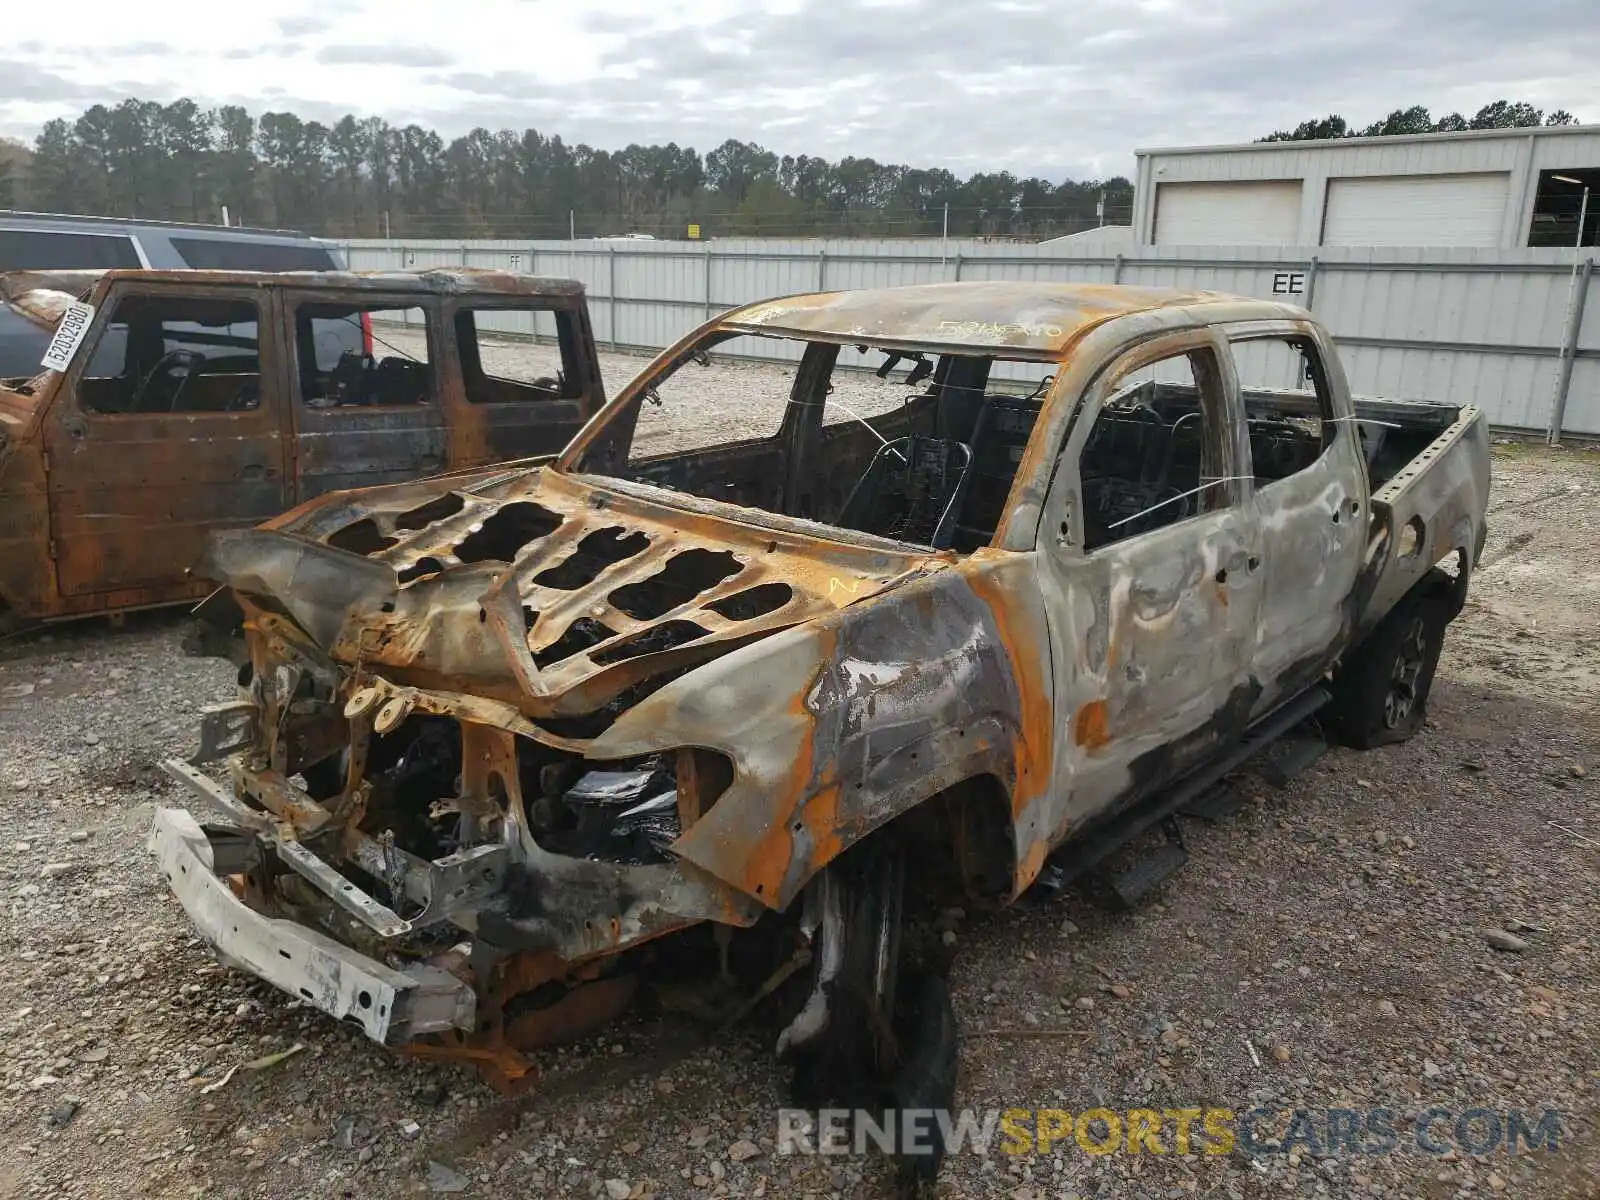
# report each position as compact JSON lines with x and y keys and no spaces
{"x":1311,"y":502}
{"x":166,"y":428}
{"x":527,"y":374}
{"x":1149,"y":557}
{"x":366,"y":415}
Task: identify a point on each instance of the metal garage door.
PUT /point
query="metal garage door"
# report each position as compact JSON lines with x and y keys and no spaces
{"x":1416,"y":210}
{"x":1265,"y":213}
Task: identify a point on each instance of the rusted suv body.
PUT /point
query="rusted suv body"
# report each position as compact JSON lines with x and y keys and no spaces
{"x":193,"y":401}
{"x":505,"y":730}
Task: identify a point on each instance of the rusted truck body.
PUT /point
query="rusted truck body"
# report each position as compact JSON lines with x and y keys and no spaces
{"x":184,"y":402}
{"x":505,"y":731}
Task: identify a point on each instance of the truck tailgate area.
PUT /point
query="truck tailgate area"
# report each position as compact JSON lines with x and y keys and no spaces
{"x":1428,"y":466}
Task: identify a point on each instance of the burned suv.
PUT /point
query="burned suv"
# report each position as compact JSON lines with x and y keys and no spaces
{"x":982,"y":576}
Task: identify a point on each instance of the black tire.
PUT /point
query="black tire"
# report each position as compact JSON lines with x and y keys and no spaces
{"x":1380,"y":693}
{"x":12,"y":622}
{"x":858,"y":1042}
{"x":890,"y":1045}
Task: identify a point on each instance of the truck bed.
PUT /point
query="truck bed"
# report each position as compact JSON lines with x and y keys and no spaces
{"x":1428,"y":467}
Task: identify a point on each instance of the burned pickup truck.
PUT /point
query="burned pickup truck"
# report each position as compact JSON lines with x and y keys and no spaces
{"x":983,"y":578}
{"x":169,"y":404}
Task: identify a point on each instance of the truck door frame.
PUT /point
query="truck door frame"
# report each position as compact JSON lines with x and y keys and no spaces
{"x":1124,"y":615}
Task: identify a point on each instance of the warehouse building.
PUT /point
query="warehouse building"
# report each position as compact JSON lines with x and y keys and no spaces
{"x":1486,"y":188}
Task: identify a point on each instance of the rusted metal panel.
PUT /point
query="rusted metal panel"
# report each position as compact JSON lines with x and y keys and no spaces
{"x":110,"y":510}
{"x":1041,"y":319}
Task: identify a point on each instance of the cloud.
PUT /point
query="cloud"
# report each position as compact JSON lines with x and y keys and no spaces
{"x":25,"y":81}
{"x":139,"y":50}
{"x":298,"y":26}
{"x":1049,"y":87}
{"x":387,"y":55}
{"x":1052,"y":88}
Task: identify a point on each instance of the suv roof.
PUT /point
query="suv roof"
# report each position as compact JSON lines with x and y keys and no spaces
{"x":434,"y":280}
{"x":69,"y":219}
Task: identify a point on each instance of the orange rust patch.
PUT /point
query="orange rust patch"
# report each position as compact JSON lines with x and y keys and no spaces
{"x":1032,"y":863}
{"x":760,"y":866}
{"x":1026,"y":651}
{"x":1089,"y":726}
{"x":820,"y":818}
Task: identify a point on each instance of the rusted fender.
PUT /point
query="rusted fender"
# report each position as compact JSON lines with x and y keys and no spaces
{"x":838,"y":726}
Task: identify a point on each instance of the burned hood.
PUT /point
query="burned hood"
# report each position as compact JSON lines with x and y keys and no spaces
{"x":556,"y":592}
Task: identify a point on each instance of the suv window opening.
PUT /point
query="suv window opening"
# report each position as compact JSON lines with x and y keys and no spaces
{"x":355,"y":323}
{"x":336,"y":372}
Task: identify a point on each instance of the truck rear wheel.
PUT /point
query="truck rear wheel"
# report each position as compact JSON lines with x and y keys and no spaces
{"x":1380,"y":694}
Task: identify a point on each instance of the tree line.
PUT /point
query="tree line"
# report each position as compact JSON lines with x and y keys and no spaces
{"x":362,"y":177}
{"x":1498,"y":114}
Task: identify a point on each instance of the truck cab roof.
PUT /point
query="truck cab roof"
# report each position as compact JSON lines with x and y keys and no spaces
{"x":1016,"y":317}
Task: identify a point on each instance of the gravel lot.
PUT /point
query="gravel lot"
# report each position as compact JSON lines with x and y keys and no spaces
{"x":1324,"y":948}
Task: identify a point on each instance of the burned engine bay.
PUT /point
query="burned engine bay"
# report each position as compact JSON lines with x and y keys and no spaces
{"x":434,"y":676}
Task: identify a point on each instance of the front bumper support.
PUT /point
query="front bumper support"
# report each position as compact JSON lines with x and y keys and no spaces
{"x":391,"y":1006}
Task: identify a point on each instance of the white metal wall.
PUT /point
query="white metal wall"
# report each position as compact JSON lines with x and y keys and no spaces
{"x":1473,"y":326}
{"x":1520,"y":154}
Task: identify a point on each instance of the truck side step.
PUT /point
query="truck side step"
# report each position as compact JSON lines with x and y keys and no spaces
{"x":1215,"y":806}
{"x":1122,"y":890}
{"x":1077,"y":858}
{"x":1292,"y":754}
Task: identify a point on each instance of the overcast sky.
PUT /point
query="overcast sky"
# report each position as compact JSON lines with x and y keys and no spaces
{"x":1051,"y":87}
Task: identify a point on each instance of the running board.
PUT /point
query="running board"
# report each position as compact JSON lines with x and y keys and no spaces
{"x":1291,"y":756}
{"x":1080,"y":856}
{"x":1122,"y":890}
{"x":1215,"y":805}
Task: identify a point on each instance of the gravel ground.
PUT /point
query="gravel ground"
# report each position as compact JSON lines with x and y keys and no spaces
{"x":1324,"y":948}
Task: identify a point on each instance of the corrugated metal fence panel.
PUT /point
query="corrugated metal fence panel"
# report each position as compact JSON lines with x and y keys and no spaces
{"x":742,"y":280}
{"x":1465,"y":325}
{"x":1583,"y":400}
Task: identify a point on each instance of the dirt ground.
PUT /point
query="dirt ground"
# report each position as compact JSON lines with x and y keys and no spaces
{"x":1324,"y":948}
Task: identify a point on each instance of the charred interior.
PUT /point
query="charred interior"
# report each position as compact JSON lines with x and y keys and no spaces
{"x":929,"y":462}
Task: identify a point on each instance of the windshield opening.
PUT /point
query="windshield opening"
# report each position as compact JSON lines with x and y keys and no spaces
{"x":920,"y":447}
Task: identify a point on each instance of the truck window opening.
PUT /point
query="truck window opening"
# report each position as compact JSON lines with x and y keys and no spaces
{"x":518,"y":355}
{"x":917,"y":447}
{"x":1154,"y":455}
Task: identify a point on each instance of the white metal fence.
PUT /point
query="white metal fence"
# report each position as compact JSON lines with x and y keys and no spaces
{"x":1508,"y":331}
